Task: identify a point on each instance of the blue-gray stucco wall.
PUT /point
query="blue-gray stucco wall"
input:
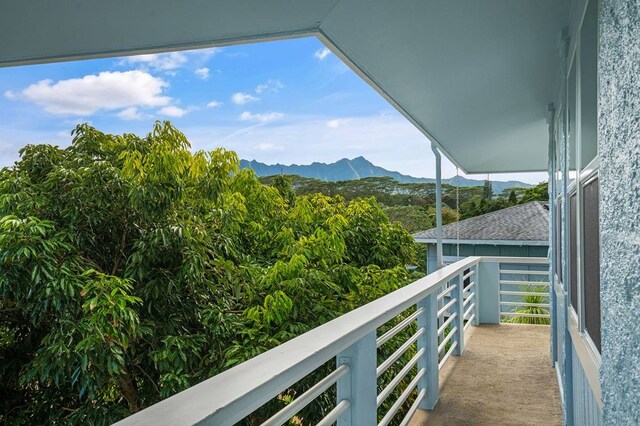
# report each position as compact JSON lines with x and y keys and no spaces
{"x":619,"y":145}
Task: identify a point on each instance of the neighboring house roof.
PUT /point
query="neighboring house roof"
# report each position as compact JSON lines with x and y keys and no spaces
{"x":523,"y":224}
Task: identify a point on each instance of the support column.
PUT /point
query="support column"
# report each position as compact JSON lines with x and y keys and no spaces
{"x":458,"y":308}
{"x":429,"y":361}
{"x":434,"y":148}
{"x":553,"y":304}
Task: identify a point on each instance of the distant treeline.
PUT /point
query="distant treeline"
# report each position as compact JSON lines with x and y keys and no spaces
{"x":413,"y":204}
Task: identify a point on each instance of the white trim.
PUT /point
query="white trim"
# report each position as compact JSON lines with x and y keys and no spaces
{"x":485,"y":242}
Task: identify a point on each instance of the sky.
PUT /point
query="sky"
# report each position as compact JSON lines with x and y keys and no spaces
{"x":287,"y":101}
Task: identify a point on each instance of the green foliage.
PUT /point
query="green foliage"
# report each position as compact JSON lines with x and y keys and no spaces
{"x":487,"y":190}
{"x":477,"y":205}
{"x":413,"y":218}
{"x":133,"y":268}
{"x":387,"y":191}
{"x":536,"y":310}
{"x":283,"y":185}
{"x":540,"y":192}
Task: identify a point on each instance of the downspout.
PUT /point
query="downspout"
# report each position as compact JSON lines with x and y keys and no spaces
{"x":439,"y":263}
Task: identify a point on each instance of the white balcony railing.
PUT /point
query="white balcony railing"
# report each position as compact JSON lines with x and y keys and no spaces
{"x":441,"y":307}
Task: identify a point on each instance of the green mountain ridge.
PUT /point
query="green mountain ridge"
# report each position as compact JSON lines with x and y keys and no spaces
{"x":360,"y":168}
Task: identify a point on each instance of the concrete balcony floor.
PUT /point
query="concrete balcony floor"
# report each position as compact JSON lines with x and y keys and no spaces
{"x":504,"y":377}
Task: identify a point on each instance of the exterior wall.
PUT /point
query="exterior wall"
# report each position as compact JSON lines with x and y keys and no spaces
{"x":619,"y":145}
{"x":483,"y":250}
{"x":585,"y":408}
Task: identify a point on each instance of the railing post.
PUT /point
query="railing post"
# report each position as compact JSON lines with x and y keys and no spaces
{"x":359,"y":387}
{"x":476,"y":290}
{"x":459,"y":310}
{"x":429,"y":341}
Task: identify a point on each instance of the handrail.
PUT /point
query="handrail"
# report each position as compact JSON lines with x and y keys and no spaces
{"x":245,"y":386}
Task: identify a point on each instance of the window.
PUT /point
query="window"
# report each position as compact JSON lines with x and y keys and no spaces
{"x":573,"y":252}
{"x":591,"y":245}
{"x":582,"y":205}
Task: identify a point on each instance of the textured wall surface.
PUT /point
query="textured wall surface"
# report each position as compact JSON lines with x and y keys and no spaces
{"x":619,"y":144}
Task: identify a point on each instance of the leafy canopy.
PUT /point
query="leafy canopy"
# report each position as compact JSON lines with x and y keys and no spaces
{"x":133,"y":268}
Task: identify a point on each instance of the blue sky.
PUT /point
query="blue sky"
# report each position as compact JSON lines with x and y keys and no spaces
{"x":289,"y":101}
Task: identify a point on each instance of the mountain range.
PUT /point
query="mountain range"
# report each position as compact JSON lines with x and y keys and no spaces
{"x":358,"y":168}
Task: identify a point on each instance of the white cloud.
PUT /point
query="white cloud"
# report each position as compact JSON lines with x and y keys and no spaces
{"x":10,"y":94}
{"x":321,"y":54}
{"x":158,"y":61}
{"x":271,"y":85}
{"x":260,"y":117}
{"x":202,"y":73}
{"x":268,"y":146}
{"x":91,"y":93}
{"x":214,"y":104}
{"x":242,"y":98}
{"x":173,"y":111}
{"x":168,"y":62}
{"x":334,"y":124}
{"x":130,"y":113}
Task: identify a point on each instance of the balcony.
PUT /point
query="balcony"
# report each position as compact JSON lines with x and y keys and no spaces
{"x":433,"y":351}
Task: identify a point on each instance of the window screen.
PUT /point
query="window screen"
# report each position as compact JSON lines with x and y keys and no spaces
{"x":591,"y":229}
{"x":573,"y":248}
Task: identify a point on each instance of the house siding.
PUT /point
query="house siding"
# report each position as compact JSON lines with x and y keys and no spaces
{"x":586,"y":411}
{"x":619,"y":146}
{"x":483,"y":250}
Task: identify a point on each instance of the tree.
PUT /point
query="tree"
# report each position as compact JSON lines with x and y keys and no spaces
{"x":487,"y":190}
{"x":513,"y":199}
{"x":540,"y":192}
{"x":133,"y":268}
{"x":283,"y":185}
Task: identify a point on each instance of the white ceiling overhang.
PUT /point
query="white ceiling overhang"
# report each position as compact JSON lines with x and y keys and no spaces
{"x":475,"y":76}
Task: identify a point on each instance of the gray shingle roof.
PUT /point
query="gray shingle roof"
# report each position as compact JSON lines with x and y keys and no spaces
{"x":523,"y":222}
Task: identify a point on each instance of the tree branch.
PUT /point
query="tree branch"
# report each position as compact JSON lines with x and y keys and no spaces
{"x":119,"y":255}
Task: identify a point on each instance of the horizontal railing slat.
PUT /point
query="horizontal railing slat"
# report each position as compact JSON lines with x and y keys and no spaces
{"x":532,"y":283}
{"x":414,"y":408}
{"x":398,"y":328}
{"x":334,"y":414}
{"x":535,"y":305}
{"x":521,"y":314}
{"x":448,"y":337}
{"x":447,"y":355}
{"x":444,"y":325}
{"x":401,"y":375}
{"x":306,"y":398}
{"x":403,"y":397}
{"x":398,"y":353}
{"x":446,"y":307}
{"x":522,"y":272}
{"x":446,"y":291}
{"x":469,"y":320}
{"x":523,"y":293}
